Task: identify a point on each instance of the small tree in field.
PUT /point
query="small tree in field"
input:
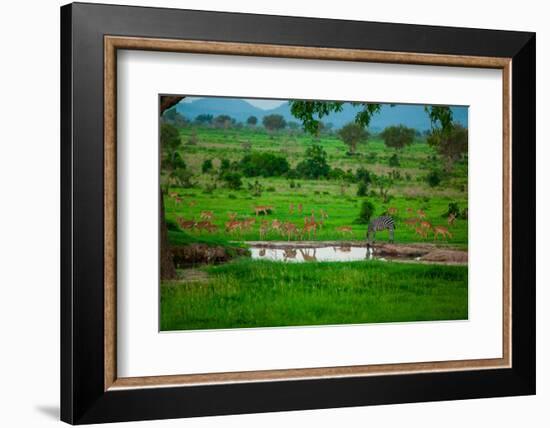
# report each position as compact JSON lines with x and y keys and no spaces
{"x":252,"y":121}
{"x":451,"y":143}
{"x":207,"y":166}
{"x":315,"y":164}
{"x":353,"y":134}
{"x":398,"y":137}
{"x":367,"y":210}
{"x":274,"y":122}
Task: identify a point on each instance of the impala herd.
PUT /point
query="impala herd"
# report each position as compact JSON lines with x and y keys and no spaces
{"x":311,"y":225}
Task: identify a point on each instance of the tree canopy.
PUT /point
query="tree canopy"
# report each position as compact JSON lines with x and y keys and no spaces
{"x":252,"y":120}
{"x":274,"y":122}
{"x":398,"y":137}
{"x":352,"y":134}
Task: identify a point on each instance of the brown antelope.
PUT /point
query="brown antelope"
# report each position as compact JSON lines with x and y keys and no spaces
{"x":411,"y":222}
{"x":425,"y":224}
{"x":451,"y":219}
{"x":392,"y":211}
{"x":421,"y":214}
{"x":207,"y":215}
{"x":276,"y":225}
{"x":344,"y":230}
{"x":265,"y":209}
{"x":441,"y":230}
{"x":185,"y":224}
{"x":264,"y":228}
{"x":232,"y":226}
{"x":173,"y":195}
{"x":300,"y":209}
{"x":192,"y":203}
{"x":206,"y":225}
{"x":310,"y":225}
{"x":410,"y":210}
{"x":177,"y":200}
{"x":290,"y":229}
{"x":231,"y":216}
{"x":421,"y":232}
{"x":247,"y":224}
{"x":307,"y":256}
{"x":291,"y":209}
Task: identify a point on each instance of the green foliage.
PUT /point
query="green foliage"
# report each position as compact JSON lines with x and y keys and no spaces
{"x":310,"y":113}
{"x":393,"y":161}
{"x":207,"y":166}
{"x":353,"y":134}
{"x":398,"y":137}
{"x":366,"y":212}
{"x":274,"y":122}
{"x":451,"y":143}
{"x":263,"y":164}
{"x":256,"y":188}
{"x":252,"y":120}
{"x":173,"y":166}
{"x":204,"y":119}
{"x":172,"y":117}
{"x":233,"y":180}
{"x":433,"y":178}
{"x":362,"y":189}
{"x":315,"y":164}
{"x":223,"y":121}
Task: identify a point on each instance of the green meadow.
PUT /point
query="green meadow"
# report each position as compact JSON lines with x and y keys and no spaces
{"x":245,"y":292}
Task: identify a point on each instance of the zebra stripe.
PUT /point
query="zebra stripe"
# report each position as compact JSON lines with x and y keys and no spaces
{"x":378,"y":224}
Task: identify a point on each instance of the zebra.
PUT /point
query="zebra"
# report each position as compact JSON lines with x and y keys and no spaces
{"x":380,"y":223}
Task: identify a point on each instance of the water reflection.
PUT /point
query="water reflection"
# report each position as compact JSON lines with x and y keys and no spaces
{"x":345,"y":253}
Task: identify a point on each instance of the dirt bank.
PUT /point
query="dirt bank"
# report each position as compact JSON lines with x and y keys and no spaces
{"x":194,"y":254}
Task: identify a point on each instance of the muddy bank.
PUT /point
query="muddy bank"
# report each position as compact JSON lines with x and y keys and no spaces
{"x":342,"y":250}
{"x":194,"y":254}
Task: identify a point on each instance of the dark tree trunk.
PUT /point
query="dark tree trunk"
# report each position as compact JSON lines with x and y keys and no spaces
{"x":167,"y":267}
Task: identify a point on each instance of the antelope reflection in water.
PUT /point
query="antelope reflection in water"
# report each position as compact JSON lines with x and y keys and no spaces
{"x":309,"y":257}
{"x":289,"y":253}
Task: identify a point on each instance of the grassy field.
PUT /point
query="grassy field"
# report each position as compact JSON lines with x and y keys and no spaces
{"x":254,"y":293}
{"x":338,"y":199}
{"x":251,"y":293}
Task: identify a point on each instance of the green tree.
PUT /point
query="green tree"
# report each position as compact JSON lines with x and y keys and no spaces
{"x":263,"y":164}
{"x":233,"y":180}
{"x":204,"y":119}
{"x":173,"y":166}
{"x":353,"y":134}
{"x":451,"y":143}
{"x":223,"y":121}
{"x":366,"y":212}
{"x":274,"y":122}
{"x":207,"y":166}
{"x":252,"y":120}
{"x":315,"y":164}
{"x":398,"y":137}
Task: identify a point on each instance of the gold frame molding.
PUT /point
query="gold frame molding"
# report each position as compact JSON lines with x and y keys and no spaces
{"x":113,"y":43}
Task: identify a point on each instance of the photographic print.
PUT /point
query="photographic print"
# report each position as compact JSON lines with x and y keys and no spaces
{"x":279,"y":213}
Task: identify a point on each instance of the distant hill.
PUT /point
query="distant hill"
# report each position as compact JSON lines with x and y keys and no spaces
{"x":410,"y":115}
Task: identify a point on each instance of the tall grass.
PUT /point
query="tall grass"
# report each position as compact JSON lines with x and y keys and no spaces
{"x":252,"y":293}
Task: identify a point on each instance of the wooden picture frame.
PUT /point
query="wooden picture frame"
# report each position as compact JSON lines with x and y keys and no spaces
{"x":91,"y":390}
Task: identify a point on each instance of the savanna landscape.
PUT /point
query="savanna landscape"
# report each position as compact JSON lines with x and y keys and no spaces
{"x":288,"y":213}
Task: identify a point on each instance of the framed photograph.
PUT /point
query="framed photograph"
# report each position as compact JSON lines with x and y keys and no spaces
{"x":267,"y":213}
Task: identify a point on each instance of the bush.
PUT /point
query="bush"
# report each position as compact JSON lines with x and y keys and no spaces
{"x":271,"y":189}
{"x":263,"y":164}
{"x":315,"y":165}
{"x":366,"y":212}
{"x":292,"y":184}
{"x":233,"y":180}
{"x":394,"y":160}
{"x":433,"y":178}
{"x":207,"y":166}
{"x":231,"y":196}
{"x":336,"y":174}
{"x":209,"y":188}
{"x":362,"y":176}
{"x":256,"y":188}
{"x":362,"y":189}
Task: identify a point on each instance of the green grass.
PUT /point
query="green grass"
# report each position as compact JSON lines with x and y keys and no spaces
{"x":342,"y":207}
{"x":252,"y":293}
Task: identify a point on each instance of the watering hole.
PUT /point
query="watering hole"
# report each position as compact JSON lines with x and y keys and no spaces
{"x":346,"y":252}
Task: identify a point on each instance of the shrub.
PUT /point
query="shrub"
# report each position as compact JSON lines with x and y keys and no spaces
{"x":271,"y":189}
{"x":362,"y":176}
{"x":207,"y":166}
{"x":231,"y":196}
{"x":366,"y":212}
{"x":292,"y":184}
{"x":362,"y":189}
{"x":394,"y":160}
{"x":263,"y":164}
{"x":233,"y":180}
{"x":256,"y":188}
{"x":433,"y":178}
{"x":209,"y":188}
{"x":315,"y":164}
{"x":336,"y":174}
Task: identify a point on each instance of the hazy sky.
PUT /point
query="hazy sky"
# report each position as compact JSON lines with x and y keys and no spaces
{"x":263,"y":104}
